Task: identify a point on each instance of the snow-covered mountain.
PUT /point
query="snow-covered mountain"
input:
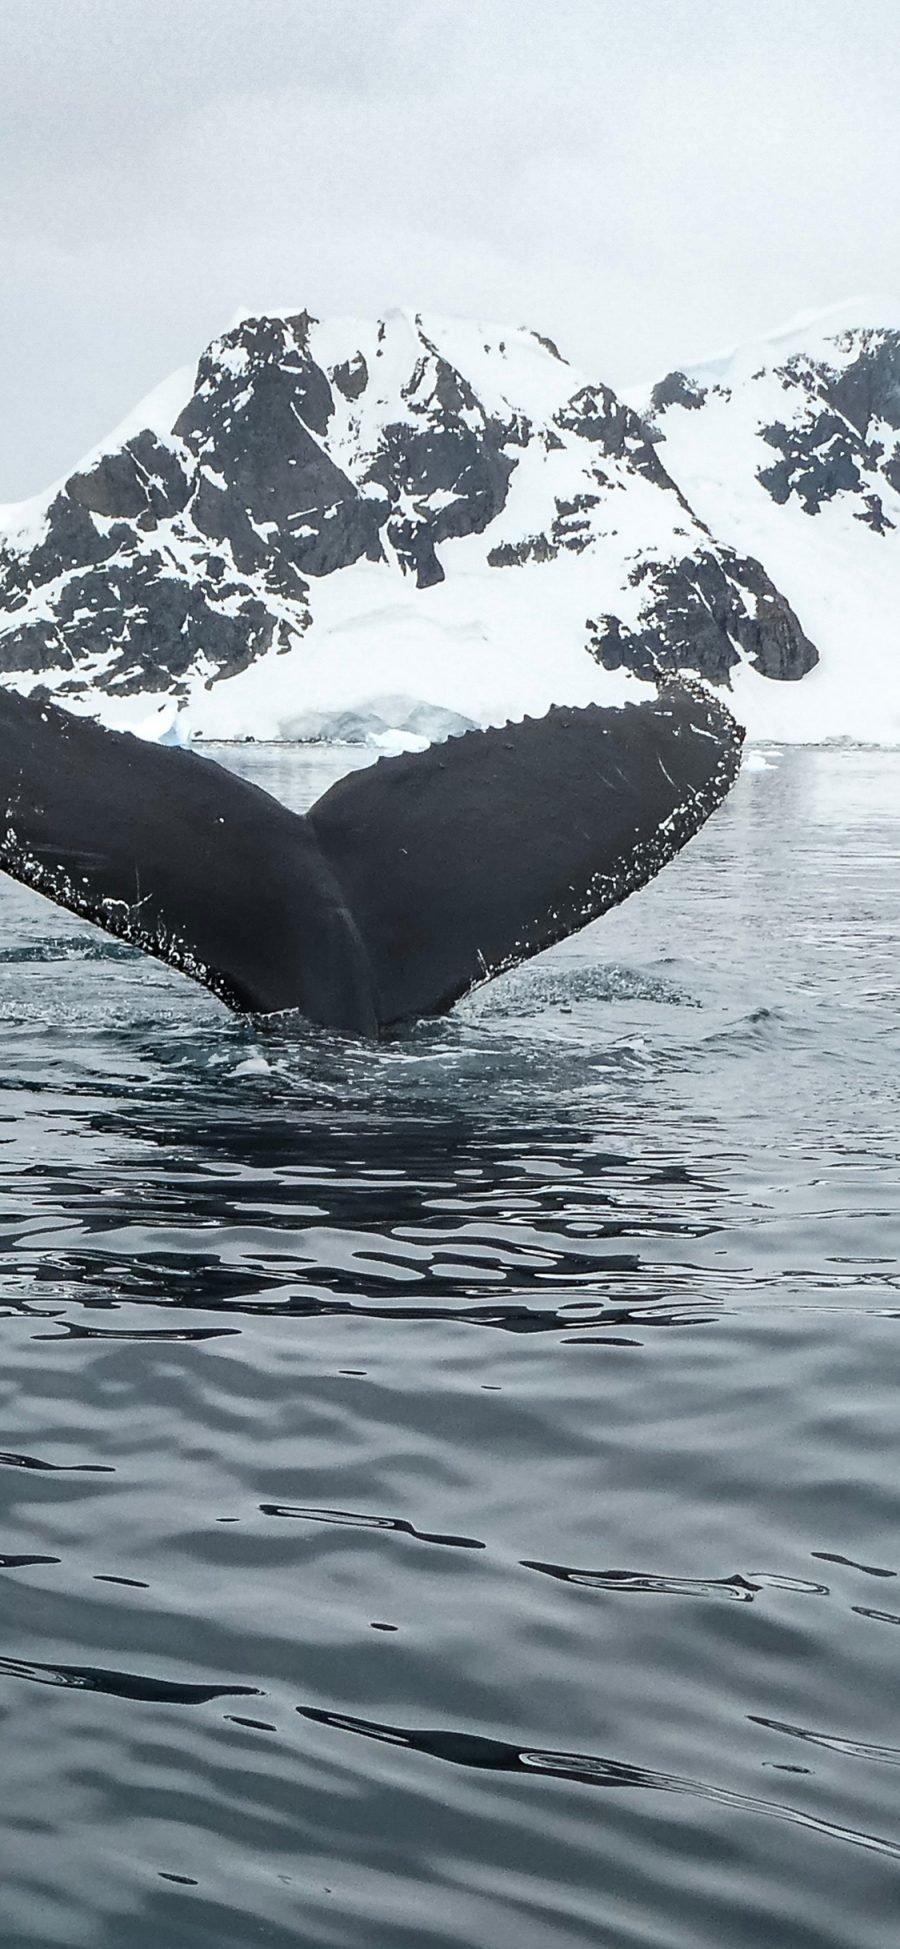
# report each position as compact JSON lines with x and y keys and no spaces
{"x":791,"y":449}
{"x":401,"y":527}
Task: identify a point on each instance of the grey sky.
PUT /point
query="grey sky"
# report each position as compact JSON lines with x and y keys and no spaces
{"x":644,"y":179}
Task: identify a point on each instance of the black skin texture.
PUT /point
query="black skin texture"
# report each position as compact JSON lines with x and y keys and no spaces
{"x":406,"y":884}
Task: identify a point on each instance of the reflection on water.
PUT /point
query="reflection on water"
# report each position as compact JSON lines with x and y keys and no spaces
{"x":408,"y":1392}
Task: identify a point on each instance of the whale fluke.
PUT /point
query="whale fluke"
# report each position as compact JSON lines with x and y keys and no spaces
{"x":404,"y":886}
{"x":469,"y":857}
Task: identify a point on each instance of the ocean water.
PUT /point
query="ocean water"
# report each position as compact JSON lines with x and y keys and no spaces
{"x":450,"y":1489}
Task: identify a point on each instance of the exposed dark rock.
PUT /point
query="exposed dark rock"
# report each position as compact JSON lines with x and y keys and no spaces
{"x":144,"y":477}
{"x":532,"y":548}
{"x":219,"y":515}
{"x":35,"y":646}
{"x":572,"y":525}
{"x":351,"y":377}
{"x":676,"y":389}
{"x":618,"y":647}
{"x":872,"y":512}
{"x":450,"y":393}
{"x":549,"y":345}
{"x":869,"y":387}
{"x":72,"y":539}
{"x":819,"y":460}
{"x":773,"y":638}
{"x":300,"y":322}
{"x":413,"y":543}
{"x":156,"y":621}
{"x":696,"y":619}
{"x":596,"y":414}
{"x":275,"y":348}
{"x":829,"y":452}
{"x":266,"y":484}
{"x":891,"y":470}
{"x":446,"y":459}
{"x":579,"y":504}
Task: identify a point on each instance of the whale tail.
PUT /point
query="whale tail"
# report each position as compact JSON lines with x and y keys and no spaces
{"x":405,"y":885}
{"x":469,"y":857}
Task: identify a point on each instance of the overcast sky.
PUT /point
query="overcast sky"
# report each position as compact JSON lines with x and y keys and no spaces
{"x":646,"y":180}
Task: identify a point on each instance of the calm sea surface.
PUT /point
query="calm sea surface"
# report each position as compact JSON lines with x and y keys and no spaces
{"x":449,"y":1490}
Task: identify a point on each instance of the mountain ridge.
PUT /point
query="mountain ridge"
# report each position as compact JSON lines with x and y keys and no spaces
{"x":451,"y":514}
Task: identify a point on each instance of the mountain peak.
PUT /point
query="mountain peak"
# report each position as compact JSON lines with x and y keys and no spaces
{"x":331,"y":511}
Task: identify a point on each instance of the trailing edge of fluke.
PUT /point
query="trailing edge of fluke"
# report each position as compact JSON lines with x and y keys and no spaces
{"x":404,"y":886}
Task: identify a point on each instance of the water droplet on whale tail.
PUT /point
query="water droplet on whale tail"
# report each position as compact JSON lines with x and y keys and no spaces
{"x":405,"y":885}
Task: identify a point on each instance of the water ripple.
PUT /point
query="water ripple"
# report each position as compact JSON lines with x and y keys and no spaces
{"x":120,"y":1685}
{"x":586,"y":1769}
{"x":460,"y":1383}
{"x":342,"y":1518}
